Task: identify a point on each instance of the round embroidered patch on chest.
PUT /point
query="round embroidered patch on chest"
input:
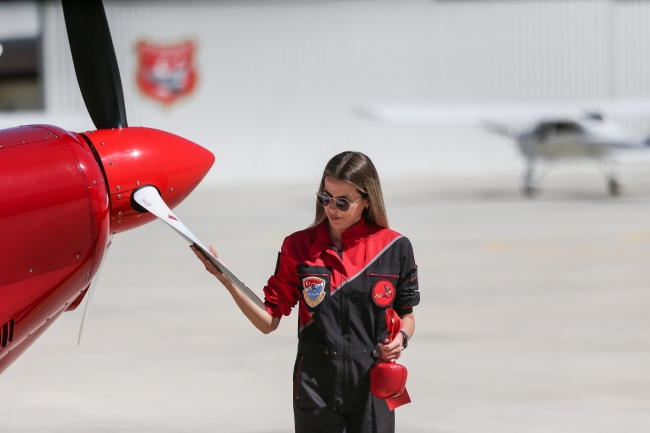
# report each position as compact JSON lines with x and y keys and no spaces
{"x":383,"y":293}
{"x":313,"y":290}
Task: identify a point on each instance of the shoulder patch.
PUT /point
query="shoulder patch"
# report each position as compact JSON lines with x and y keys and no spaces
{"x":313,"y":290}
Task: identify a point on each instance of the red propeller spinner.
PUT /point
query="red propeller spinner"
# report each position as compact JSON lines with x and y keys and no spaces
{"x":135,"y":157}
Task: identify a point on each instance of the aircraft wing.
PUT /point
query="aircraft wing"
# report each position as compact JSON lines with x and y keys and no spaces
{"x":477,"y":114}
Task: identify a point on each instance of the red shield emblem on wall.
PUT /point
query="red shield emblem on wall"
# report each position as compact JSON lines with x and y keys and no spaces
{"x":166,"y":72}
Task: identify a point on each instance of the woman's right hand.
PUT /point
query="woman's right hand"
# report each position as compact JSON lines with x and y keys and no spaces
{"x":209,"y":266}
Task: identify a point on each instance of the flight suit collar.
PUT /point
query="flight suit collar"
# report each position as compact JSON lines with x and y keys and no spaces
{"x":355,"y":233}
{"x":348,"y":238}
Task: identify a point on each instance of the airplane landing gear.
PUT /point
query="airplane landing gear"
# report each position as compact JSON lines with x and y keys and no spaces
{"x":530,"y":185}
{"x":530,"y":191}
{"x":608,"y":169}
{"x":613,"y":187}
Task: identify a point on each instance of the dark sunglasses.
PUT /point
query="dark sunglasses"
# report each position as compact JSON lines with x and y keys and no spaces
{"x":341,"y":204}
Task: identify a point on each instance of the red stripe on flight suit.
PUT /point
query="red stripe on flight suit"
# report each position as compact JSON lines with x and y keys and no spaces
{"x":371,"y":248}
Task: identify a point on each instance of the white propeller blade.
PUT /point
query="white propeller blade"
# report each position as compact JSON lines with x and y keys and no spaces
{"x":148,"y":198}
{"x":91,"y":289}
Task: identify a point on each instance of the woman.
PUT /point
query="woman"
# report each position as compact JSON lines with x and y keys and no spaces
{"x":343,"y":272}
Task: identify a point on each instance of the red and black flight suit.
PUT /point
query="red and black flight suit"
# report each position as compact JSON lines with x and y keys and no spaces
{"x":342,"y":298}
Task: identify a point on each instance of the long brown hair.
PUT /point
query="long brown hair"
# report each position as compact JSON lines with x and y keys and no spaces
{"x":358,"y":170}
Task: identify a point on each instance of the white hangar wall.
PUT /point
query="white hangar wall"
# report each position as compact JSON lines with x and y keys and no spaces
{"x":277,"y":80}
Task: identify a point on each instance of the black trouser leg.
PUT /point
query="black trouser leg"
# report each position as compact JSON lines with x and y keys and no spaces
{"x":324,"y":420}
{"x":333,"y":396}
{"x":375,"y":418}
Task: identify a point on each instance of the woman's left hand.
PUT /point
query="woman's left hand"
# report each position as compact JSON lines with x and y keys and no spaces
{"x":390,"y":352}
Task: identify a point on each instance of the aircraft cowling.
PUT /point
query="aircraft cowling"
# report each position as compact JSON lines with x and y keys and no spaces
{"x":135,"y":157}
{"x":54,"y":227}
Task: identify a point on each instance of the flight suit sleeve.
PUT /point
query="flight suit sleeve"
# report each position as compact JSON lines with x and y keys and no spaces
{"x":281,"y":293}
{"x":408,"y":293}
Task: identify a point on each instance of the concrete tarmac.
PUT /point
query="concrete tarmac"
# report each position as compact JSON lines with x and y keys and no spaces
{"x":535,"y":317}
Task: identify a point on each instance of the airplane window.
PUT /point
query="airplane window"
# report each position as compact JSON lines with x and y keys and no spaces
{"x":567,"y":128}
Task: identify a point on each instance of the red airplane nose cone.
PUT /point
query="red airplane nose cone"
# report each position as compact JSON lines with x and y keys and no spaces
{"x":135,"y":157}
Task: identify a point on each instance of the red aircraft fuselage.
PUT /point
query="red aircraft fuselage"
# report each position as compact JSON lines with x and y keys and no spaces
{"x":61,"y":195}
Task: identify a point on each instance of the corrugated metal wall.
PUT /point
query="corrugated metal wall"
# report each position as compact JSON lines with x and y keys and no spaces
{"x":277,"y":81}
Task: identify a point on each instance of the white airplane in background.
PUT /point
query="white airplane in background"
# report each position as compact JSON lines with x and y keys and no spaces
{"x":558,"y":132}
